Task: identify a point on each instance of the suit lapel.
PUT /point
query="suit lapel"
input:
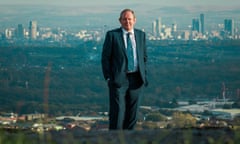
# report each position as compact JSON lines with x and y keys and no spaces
{"x":137,"y":40}
{"x":121,"y":41}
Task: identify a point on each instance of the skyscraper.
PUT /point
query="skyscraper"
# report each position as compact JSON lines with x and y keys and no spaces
{"x":20,"y":31}
{"x":159,"y":26}
{"x":174,"y":30}
{"x":33,"y":29}
{"x":229,"y":26}
{"x":195,"y":25}
{"x":174,"y":27}
{"x":154,"y":29}
{"x":202,"y":23}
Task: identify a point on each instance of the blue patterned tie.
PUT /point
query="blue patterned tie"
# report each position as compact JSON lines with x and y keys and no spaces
{"x":130,"y":53}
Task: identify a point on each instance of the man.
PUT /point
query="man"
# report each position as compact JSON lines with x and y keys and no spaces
{"x":125,"y":84}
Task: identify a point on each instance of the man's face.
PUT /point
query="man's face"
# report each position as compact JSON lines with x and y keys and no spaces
{"x":127,"y":20}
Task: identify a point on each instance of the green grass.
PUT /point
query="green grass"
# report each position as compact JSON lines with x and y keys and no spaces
{"x":163,"y":136}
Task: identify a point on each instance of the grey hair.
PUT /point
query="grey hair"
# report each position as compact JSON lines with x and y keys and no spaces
{"x":127,"y":10}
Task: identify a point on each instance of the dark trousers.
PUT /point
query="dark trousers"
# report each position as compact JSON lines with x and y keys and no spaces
{"x":124,"y":103}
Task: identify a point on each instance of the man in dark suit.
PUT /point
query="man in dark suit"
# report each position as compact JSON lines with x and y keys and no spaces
{"x":124,"y":60}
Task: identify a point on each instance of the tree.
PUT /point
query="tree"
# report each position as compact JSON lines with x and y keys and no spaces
{"x":155,"y":117}
{"x":183,"y":120}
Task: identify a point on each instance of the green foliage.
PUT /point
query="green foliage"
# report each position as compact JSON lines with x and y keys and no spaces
{"x":70,"y":79}
{"x":155,"y":117}
{"x":181,"y":120}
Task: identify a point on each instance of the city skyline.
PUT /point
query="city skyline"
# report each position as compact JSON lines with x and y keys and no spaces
{"x":88,"y":14}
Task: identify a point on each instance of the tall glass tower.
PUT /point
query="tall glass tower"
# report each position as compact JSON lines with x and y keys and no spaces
{"x":159,"y":26}
{"x":229,"y":26}
{"x":33,"y":29}
{"x":20,"y":31}
{"x":202,"y":23}
{"x":154,"y":29}
{"x":195,"y":25}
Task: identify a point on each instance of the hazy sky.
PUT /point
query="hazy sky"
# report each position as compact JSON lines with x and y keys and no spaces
{"x":107,"y":11}
{"x":115,"y":2}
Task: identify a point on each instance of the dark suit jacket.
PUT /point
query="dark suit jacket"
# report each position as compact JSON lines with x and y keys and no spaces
{"x":114,"y":57}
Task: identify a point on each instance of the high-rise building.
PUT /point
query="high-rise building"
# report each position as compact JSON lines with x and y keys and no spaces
{"x":154,"y":29}
{"x":20,"y":31}
{"x":202,"y":23}
{"x":186,"y":35}
{"x":174,"y":30}
{"x":195,"y":25}
{"x":229,"y":26}
{"x":33,"y":29}
{"x":159,"y":26}
{"x":174,"y":27}
{"x":9,"y":33}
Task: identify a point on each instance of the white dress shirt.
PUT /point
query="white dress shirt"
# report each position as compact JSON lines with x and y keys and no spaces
{"x":132,"y":38}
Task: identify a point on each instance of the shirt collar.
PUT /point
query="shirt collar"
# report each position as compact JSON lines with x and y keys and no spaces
{"x":125,"y":32}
